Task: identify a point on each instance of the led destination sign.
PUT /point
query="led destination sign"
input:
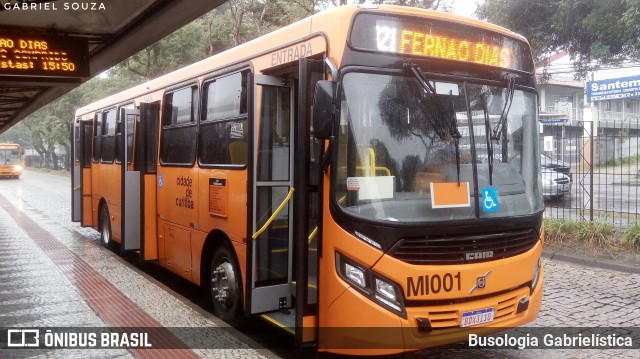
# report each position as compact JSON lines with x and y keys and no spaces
{"x":444,"y":40}
{"x":30,"y":56}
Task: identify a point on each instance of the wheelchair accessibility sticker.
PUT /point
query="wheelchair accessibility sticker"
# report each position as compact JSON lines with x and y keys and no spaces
{"x":490,"y":199}
{"x":161,"y":180}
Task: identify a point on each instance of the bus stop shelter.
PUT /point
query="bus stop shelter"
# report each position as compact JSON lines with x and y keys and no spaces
{"x":49,"y":47}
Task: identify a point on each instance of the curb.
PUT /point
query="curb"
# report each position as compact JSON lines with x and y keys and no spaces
{"x":590,"y":262}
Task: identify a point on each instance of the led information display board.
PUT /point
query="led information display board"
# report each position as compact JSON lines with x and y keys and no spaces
{"x":46,"y":57}
{"x":439,"y":39}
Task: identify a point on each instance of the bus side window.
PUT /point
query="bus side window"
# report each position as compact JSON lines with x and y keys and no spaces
{"x":129,"y":130}
{"x":224,"y":126}
{"x":97,"y":136}
{"x":178,"y":145}
{"x":108,"y":135}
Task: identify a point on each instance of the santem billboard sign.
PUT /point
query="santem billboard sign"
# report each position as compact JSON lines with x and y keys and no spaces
{"x":611,"y":89}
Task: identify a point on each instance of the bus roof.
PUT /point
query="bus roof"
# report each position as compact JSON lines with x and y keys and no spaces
{"x":278,"y":38}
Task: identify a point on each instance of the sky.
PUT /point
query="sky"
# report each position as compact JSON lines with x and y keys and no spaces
{"x":464,"y":7}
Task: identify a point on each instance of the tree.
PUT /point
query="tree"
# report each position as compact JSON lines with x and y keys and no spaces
{"x":594,"y":32}
{"x":16,"y":134}
{"x":47,"y":130}
{"x":184,"y":46}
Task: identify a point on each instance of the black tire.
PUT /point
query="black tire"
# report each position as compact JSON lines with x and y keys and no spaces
{"x":225,"y":286}
{"x":105,"y":228}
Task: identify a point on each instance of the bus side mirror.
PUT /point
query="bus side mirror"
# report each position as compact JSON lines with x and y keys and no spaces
{"x":323,"y":109}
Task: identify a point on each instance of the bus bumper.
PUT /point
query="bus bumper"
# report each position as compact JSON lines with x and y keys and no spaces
{"x":509,"y":313}
{"x":374,"y":330}
{"x":10,"y":173}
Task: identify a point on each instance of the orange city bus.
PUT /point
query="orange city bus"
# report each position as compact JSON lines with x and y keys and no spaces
{"x":367,"y":179}
{"x":11,"y":160}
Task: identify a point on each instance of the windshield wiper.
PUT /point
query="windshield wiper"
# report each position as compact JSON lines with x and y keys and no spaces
{"x":497,"y":131}
{"x":441,"y":117}
{"x":487,"y":136}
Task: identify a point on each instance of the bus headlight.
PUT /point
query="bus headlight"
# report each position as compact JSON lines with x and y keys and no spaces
{"x":355,"y":275}
{"x":536,"y":275}
{"x":387,"y":294}
{"x":374,"y":286}
{"x":385,"y":289}
{"x":17,"y":168}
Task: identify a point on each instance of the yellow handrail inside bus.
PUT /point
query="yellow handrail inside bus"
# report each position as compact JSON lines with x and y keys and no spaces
{"x":273,"y":216}
{"x":371,"y":169}
{"x":372,"y":162}
{"x":313,"y":234}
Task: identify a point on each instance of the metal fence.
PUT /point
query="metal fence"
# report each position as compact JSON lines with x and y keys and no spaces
{"x":604,"y":172}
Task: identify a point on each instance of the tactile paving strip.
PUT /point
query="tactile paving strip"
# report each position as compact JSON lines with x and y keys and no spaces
{"x":111,"y":305}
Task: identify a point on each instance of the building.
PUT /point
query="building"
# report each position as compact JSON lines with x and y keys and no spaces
{"x":565,"y":101}
{"x":608,"y":99}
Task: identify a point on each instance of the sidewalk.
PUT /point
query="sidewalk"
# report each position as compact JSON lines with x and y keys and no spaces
{"x":55,"y":277}
{"x":627,"y":262}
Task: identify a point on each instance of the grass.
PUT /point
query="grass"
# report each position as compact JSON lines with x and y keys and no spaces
{"x":591,"y":237}
{"x":631,"y":235}
{"x":597,"y":234}
{"x":556,"y":231}
{"x":631,"y":160}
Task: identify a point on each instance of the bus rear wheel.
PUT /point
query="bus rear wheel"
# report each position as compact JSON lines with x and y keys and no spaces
{"x":105,"y":227}
{"x":224,"y":286}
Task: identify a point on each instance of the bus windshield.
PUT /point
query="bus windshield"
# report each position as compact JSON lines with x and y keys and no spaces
{"x":10,"y":156}
{"x":396,"y":139}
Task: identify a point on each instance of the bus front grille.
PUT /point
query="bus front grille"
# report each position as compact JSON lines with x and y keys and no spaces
{"x":465,"y":248}
{"x":448,"y":318}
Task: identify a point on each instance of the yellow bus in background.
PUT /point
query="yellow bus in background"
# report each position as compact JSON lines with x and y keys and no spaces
{"x":11,"y":160}
{"x":367,"y":179}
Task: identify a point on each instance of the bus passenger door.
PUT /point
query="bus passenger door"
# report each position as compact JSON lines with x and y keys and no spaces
{"x":146,"y":161}
{"x":271,"y":253}
{"x":130,"y":218}
{"x":76,"y":168}
{"x":139,"y":226}
{"x":307,"y":165}
{"x":81,"y":173}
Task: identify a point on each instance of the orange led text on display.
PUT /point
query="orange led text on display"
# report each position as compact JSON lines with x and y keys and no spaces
{"x":446,"y":47}
{"x":33,"y":56}
{"x":418,"y":43}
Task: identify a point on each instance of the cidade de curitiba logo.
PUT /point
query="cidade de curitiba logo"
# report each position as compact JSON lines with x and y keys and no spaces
{"x":67,"y":338}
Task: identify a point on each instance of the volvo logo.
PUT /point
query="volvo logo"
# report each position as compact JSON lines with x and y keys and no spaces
{"x":478,"y":255}
{"x":481,"y":282}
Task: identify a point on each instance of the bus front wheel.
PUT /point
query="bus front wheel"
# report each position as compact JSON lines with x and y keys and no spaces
{"x":224,"y":286}
{"x":105,"y":227}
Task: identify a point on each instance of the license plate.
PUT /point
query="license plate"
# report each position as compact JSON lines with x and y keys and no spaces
{"x":477,"y":317}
